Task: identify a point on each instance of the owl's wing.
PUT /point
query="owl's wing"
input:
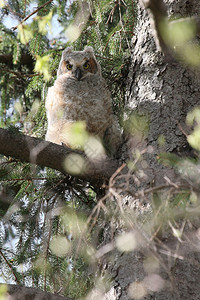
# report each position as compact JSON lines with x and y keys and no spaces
{"x":113,"y":138}
{"x":49,"y":99}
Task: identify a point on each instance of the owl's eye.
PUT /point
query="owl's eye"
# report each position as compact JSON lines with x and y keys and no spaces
{"x":86,"y":65}
{"x":69,"y":66}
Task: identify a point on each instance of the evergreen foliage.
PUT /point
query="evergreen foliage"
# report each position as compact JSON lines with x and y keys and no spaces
{"x":51,"y":223}
{"x":31,"y":198}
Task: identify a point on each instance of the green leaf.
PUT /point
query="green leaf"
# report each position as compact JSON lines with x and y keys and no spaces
{"x":168,"y":159}
{"x":2,"y":3}
{"x":43,"y":22}
{"x":193,"y":116}
{"x":3,"y":291}
{"x":42,"y":66}
{"x":25,"y":33}
{"x":194,"y":138}
{"x":77,"y":134}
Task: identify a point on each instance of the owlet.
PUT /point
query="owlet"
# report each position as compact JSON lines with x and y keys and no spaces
{"x":80,"y":94}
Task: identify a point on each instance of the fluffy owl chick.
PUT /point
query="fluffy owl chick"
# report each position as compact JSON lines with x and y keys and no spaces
{"x":80,"y":94}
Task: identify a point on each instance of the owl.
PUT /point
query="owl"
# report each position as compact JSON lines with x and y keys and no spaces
{"x":80,"y":94}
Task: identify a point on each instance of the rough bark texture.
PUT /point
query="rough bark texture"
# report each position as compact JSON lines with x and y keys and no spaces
{"x":17,"y":292}
{"x":167,"y":91}
{"x":46,"y":154}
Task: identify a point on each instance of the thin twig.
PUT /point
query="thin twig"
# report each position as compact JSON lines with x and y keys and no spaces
{"x":156,"y":188}
{"x":23,"y":179}
{"x":31,"y":14}
{"x":181,"y":129}
{"x":10,"y":266}
{"x":18,"y":74}
{"x":116,"y":173}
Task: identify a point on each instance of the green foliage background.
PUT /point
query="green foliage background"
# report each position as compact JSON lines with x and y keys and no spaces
{"x":37,"y":197}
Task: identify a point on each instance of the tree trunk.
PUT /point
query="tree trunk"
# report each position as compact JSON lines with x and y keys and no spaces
{"x":168,"y":91}
{"x":165,"y":90}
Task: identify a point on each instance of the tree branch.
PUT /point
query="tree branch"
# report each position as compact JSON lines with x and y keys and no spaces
{"x":47,"y":154}
{"x":16,"y":292}
{"x":26,"y":59}
{"x":31,"y":14}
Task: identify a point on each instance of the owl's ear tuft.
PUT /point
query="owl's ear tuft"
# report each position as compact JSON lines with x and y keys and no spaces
{"x":61,"y":67}
{"x":89,"y":49}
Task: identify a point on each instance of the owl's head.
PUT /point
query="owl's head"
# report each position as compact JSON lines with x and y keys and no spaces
{"x":78,"y":64}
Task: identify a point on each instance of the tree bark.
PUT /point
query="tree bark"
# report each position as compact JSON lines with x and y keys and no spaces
{"x":46,"y":154}
{"x":165,"y":90}
{"x":17,"y":292}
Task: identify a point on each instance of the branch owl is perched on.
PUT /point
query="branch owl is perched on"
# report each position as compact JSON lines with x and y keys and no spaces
{"x":80,"y":94}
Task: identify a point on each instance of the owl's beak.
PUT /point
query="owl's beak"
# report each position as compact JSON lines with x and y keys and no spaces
{"x":78,"y":73}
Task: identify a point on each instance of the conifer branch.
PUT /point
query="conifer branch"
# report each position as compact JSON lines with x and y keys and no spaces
{"x":47,"y":154}
{"x":26,"y":59}
{"x":31,"y":14}
{"x":21,"y":292}
{"x":9,"y":266}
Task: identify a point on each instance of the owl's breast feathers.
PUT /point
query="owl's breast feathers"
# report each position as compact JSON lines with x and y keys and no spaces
{"x":87,"y":100}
